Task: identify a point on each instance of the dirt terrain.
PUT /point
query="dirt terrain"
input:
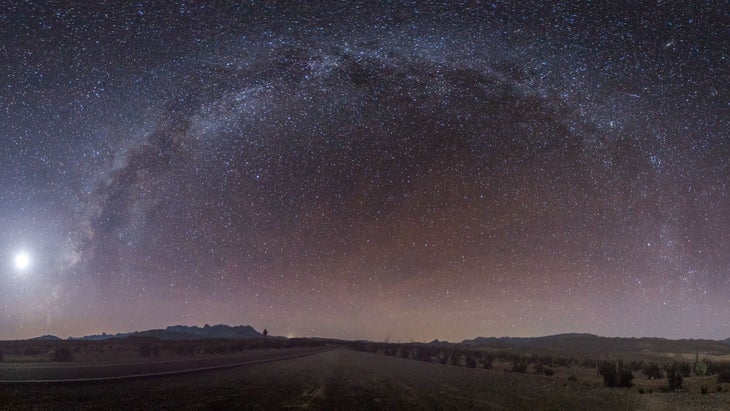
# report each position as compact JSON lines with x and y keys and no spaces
{"x":346,"y":379}
{"x":42,"y":372}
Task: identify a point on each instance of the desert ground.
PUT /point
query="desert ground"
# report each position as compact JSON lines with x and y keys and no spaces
{"x":87,"y":371}
{"x":345,"y":379}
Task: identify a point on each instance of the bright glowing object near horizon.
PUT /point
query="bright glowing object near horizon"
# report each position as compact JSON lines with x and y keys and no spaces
{"x":22,"y":260}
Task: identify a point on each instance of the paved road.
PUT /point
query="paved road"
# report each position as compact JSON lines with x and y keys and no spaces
{"x":16,"y":373}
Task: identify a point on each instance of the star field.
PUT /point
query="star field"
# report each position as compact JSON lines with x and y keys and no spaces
{"x":366,"y":169}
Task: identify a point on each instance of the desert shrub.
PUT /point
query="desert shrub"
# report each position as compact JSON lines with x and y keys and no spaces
{"x":616,"y":374}
{"x":636,"y":365}
{"x":722,"y":369}
{"x":562,"y":362}
{"x":641,"y":390}
{"x":684,"y":368}
{"x":487,"y":361}
{"x":572,"y":377}
{"x":31,"y":351}
{"x":184,"y":349}
{"x":404,"y":353}
{"x":674,"y":377}
{"x":144,"y":350}
{"x":539,"y":368}
{"x":519,"y":365}
{"x":703,"y":389}
{"x":625,"y":376}
{"x":471,"y":362}
{"x":652,"y":371}
{"x":549,"y":372}
{"x":723,"y":376}
{"x":588,"y":363}
{"x":1,"y":355}
{"x":276,"y":344}
{"x":61,"y":355}
{"x":607,"y":370}
{"x":546,"y":361}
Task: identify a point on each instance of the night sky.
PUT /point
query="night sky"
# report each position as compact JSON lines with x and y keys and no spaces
{"x":366,"y":169}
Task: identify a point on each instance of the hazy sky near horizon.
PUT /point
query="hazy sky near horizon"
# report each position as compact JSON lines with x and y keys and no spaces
{"x":365,"y":169}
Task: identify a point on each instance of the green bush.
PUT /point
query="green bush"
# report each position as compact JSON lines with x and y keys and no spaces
{"x":701,"y":368}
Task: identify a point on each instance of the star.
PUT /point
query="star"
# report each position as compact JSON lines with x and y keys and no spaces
{"x":21,"y":261}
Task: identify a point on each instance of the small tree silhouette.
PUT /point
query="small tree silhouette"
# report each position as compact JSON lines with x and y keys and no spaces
{"x":266,"y":332}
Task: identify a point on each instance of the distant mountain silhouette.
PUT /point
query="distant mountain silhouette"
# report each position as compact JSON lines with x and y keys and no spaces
{"x":46,"y":338}
{"x":548,"y":340}
{"x":217,"y":331}
{"x":183,"y":332}
{"x":589,"y":343}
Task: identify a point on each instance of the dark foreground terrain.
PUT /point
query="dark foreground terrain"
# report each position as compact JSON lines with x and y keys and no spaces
{"x":350,"y":380}
{"x":74,"y":371}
